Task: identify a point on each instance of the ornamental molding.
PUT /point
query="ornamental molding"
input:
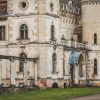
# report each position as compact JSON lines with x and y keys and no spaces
{"x":89,"y":2}
{"x":25,"y":6}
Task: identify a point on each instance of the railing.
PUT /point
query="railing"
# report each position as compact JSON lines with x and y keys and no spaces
{"x":74,"y":44}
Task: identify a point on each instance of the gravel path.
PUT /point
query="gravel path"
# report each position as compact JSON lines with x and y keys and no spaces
{"x":92,"y":97}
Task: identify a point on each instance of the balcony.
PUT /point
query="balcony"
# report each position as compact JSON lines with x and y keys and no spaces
{"x":74,"y":44}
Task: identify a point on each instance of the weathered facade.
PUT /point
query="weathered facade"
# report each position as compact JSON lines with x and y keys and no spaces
{"x":49,"y":42}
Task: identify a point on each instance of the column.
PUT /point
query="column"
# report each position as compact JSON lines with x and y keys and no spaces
{"x":25,"y":75}
{"x":0,"y":71}
{"x":12,"y":72}
{"x":35,"y":73}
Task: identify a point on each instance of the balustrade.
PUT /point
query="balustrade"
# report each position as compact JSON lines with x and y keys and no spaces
{"x":74,"y":44}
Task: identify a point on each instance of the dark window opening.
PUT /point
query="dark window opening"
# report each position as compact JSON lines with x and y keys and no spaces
{"x":23,"y":4}
{"x":52,"y":32}
{"x":2,"y":33}
{"x":95,"y":66}
{"x":51,"y":6}
{"x":80,"y":38}
{"x":95,"y":38}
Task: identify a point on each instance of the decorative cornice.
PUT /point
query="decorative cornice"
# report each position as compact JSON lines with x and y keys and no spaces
{"x":89,"y":2}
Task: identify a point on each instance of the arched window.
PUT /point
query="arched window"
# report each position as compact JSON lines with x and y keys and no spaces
{"x":63,"y":66}
{"x":54,"y":62}
{"x":23,"y":31}
{"x":52,"y":32}
{"x":51,"y":6}
{"x":95,"y":66}
{"x":22,"y":60}
{"x":95,"y":38}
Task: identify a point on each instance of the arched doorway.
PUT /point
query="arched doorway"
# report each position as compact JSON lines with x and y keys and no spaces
{"x":77,"y":62}
{"x":54,"y":85}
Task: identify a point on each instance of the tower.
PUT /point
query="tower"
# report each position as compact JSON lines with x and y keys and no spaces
{"x":91,"y":35}
{"x":90,"y":20}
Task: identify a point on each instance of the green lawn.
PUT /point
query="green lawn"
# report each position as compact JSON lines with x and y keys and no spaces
{"x":51,"y":94}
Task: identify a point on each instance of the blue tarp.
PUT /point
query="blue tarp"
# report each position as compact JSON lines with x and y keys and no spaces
{"x":74,"y":57}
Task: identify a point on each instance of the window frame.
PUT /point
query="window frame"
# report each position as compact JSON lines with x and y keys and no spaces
{"x":24,"y":32}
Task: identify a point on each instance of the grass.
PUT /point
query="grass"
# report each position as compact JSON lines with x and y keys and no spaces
{"x":51,"y":94}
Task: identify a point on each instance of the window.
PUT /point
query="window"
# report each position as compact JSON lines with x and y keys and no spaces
{"x":52,"y":32}
{"x":54,"y":62}
{"x":63,"y":66}
{"x":95,"y":66}
{"x":95,"y":38}
{"x":23,"y":4}
{"x":51,"y":6}
{"x":3,"y":6}
{"x":2,"y":33}
{"x":23,"y":32}
{"x":22,"y":60}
